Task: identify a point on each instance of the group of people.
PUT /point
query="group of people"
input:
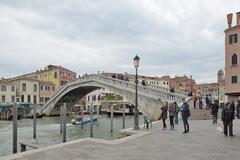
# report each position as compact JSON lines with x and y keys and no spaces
{"x":208,"y":100}
{"x":120,"y":77}
{"x":227,"y":116}
{"x":173,"y":109}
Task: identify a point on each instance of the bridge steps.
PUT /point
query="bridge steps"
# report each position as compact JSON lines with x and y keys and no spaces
{"x":202,"y":114}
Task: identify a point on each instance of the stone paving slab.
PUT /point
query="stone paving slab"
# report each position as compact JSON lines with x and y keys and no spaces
{"x":203,"y":142}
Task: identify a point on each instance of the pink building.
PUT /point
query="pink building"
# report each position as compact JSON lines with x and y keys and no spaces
{"x":232,"y":54}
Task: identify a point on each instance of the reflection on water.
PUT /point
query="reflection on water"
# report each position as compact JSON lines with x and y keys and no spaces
{"x":48,"y":131}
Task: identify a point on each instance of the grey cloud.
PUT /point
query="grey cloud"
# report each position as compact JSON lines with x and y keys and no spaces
{"x":172,"y":37}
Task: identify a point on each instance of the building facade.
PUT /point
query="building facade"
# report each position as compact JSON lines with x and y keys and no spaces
{"x":57,"y":75}
{"x":182,"y":83}
{"x":46,"y":91}
{"x":207,"y":89}
{"x":27,"y":89}
{"x":7,"y":92}
{"x":232,"y":60}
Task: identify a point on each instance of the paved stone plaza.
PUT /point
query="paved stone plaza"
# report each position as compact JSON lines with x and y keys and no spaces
{"x":204,"y":142}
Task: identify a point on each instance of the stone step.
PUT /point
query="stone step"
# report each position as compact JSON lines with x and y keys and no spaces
{"x":202,"y":114}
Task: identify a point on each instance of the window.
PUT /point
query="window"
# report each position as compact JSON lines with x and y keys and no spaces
{"x":3,"y":88}
{"x":53,"y":88}
{"x":49,"y":88}
{"x":34,"y":88}
{"x":3,"y":98}
{"x":234,"y":79}
{"x":13,"y":98}
{"x":41,"y":88}
{"x":46,"y":99}
{"x":24,"y":87}
{"x":234,"y":59}
{"x":233,"y":38}
{"x":34,"y":99}
{"x":29,"y":98}
{"x":55,"y":75}
{"x":13,"y":88}
{"x":46,"y":88}
{"x":22,"y":98}
{"x":41,"y":99}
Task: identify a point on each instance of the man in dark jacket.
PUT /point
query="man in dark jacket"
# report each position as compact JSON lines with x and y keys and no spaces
{"x":214,"y":110}
{"x":238,"y":109}
{"x":185,"y":114}
{"x":227,"y":118}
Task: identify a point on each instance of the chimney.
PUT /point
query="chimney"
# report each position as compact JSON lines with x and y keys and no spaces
{"x":238,"y":18}
{"x":229,"y":20}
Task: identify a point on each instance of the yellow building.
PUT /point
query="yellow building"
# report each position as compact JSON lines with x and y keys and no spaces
{"x":56,"y":74}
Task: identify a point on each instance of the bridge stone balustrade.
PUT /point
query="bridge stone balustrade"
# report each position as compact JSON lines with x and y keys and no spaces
{"x":150,"y":99}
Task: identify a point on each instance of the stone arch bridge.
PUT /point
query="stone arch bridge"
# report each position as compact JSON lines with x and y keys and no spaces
{"x":150,"y":98}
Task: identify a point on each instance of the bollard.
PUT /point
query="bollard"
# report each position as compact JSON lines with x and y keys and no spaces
{"x":15,"y":128}
{"x":91,"y":121}
{"x":124,"y":107}
{"x":61,"y":116}
{"x":111,"y":118}
{"x":64,"y":121}
{"x":82,"y":117}
{"x":34,"y":123}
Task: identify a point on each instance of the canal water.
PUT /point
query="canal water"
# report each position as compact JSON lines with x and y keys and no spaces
{"x":48,"y":131}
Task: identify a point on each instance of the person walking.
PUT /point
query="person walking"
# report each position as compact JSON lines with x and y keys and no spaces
{"x":164,"y":115}
{"x":171,"y":111}
{"x":176,"y":112}
{"x":185,"y":114}
{"x":238,"y":109}
{"x":200,"y":102}
{"x":194,"y":101}
{"x":227,"y":118}
{"x":214,"y":111}
{"x":207,"y":101}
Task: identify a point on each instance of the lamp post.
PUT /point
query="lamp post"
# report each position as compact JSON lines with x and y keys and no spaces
{"x":136,"y":65}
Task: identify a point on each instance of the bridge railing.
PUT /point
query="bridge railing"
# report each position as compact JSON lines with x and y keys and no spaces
{"x":160,"y":93}
{"x":157,"y":92}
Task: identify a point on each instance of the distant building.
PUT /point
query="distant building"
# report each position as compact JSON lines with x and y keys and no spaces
{"x":56,"y":74}
{"x":232,"y":62}
{"x":95,"y":98}
{"x":182,"y":83}
{"x":46,"y":91}
{"x":27,"y":89}
{"x":7,"y":92}
{"x":36,"y":87}
{"x":207,"y":89}
{"x":154,"y":81}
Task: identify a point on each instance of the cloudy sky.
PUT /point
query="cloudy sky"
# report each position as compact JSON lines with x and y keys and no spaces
{"x":174,"y":37}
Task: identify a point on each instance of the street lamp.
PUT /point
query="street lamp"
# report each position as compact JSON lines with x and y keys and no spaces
{"x":136,"y":65}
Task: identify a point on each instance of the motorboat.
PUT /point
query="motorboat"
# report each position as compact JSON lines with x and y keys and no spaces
{"x":79,"y":121}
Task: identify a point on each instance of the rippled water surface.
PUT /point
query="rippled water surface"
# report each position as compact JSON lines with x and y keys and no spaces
{"x":48,"y":131}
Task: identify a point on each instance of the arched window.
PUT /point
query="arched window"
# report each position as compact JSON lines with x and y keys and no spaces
{"x":234,"y":59}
